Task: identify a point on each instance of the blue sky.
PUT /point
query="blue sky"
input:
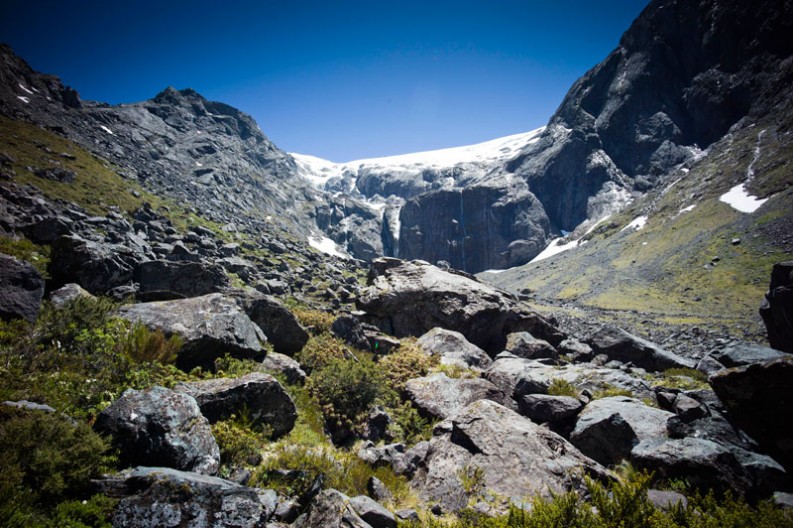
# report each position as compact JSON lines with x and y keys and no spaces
{"x":340,"y":80}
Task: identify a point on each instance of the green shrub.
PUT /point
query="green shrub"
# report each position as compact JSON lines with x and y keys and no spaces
{"x":240,"y":443}
{"x":231,"y":367}
{"x":405,"y":363}
{"x":24,"y":249}
{"x":408,"y":425}
{"x":560,"y":387}
{"x":320,"y":350}
{"x":684,"y":379}
{"x":142,"y":345}
{"x":609,"y":390}
{"x":316,"y":320}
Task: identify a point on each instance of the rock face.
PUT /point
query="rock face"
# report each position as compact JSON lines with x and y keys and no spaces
{"x":153,"y":496}
{"x":757,"y":398}
{"x":411,"y":298}
{"x":608,"y":429}
{"x":777,"y":307}
{"x":622,"y":346}
{"x":163,"y":279}
{"x":453,"y":349}
{"x":21,"y":289}
{"x":210,"y":326}
{"x":499,"y":451}
{"x":258,"y":394}
{"x":160,"y":427}
{"x":439,"y":396}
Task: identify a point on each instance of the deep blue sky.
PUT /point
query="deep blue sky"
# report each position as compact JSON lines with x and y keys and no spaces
{"x":341,"y":80}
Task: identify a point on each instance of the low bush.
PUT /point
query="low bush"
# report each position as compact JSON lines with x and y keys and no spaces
{"x":560,"y":387}
{"x":405,"y":363}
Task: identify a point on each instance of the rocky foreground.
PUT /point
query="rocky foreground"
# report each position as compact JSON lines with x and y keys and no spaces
{"x":522,"y":407}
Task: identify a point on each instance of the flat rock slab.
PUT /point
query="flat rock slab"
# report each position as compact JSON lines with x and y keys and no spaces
{"x":454,"y":349}
{"x":412,"y":298}
{"x":628,"y":348}
{"x":160,"y":427}
{"x":507,"y":453}
{"x":259,"y":395}
{"x":210,"y":327}
{"x":542,"y":408}
{"x":154,"y":496}
{"x":440,"y":396}
{"x":174,"y":280}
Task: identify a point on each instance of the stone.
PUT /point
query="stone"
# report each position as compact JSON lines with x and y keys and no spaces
{"x":525,"y":345}
{"x":155,"y":496}
{"x":454,"y":349}
{"x":377,"y":490}
{"x":439,"y":396}
{"x":331,"y":509}
{"x":508,"y":454}
{"x":349,"y":329}
{"x":741,"y":353}
{"x":258,"y":395}
{"x":575,"y":350}
{"x":666,"y":500}
{"x":777,"y":307}
{"x":707,"y":466}
{"x":407,"y":515}
{"x":281,"y":327}
{"x":96,"y":267}
{"x":21,"y":289}
{"x":160,"y":427}
{"x":622,"y":346}
{"x":29,"y":406}
{"x":542,"y":408}
{"x":161,"y":280}
{"x":277,"y":363}
{"x":62,"y":296}
{"x":373,"y":512}
{"x":47,"y":229}
{"x":608,"y":429}
{"x":412,"y":298}
{"x":758,"y":398}
{"x":210,"y":326}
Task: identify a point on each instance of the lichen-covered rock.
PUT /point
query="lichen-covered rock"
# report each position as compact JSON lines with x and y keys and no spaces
{"x":331,"y":509}
{"x":439,"y":396}
{"x":281,"y":327}
{"x":164,"y":279}
{"x":622,"y":346}
{"x":259,"y":395}
{"x":373,"y":512}
{"x":454,"y":349}
{"x":95,"y":266}
{"x":277,"y":363}
{"x":68,"y":293}
{"x":209,"y":326}
{"x":525,"y":345}
{"x":160,"y":427}
{"x":542,"y":408}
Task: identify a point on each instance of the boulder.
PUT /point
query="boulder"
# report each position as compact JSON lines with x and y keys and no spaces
{"x":777,"y":307}
{"x":543,"y":408}
{"x":525,"y":345}
{"x":439,"y":396}
{"x":281,"y":327}
{"x":259,"y":395}
{"x":21,"y":289}
{"x":209,"y":326}
{"x":154,"y":496}
{"x":60,"y":297}
{"x":454,"y":349}
{"x":373,"y":512}
{"x":282,"y":364}
{"x":758,"y":399}
{"x":499,"y":452}
{"x":164,"y":279}
{"x":517,"y":377}
{"x":627,"y":348}
{"x":707,"y":466}
{"x":608,"y":429}
{"x":412,"y":298}
{"x":377,"y":490}
{"x":95,"y":266}
{"x":349,"y":329}
{"x":331,"y":509}
{"x":160,"y":427}
{"x":741,"y":353}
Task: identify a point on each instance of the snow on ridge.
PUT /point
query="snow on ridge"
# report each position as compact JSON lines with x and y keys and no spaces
{"x":739,"y":198}
{"x":103,"y":127}
{"x":25,"y":88}
{"x":23,"y":99}
{"x":554,"y":248}
{"x":637,"y":223}
{"x":326,"y":245}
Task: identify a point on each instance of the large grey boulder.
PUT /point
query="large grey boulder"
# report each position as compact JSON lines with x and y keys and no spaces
{"x":153,"y":497}
{"x":281,"y":327}
{"x":331,"y":509}
{"x":259,"y":395}
{"x":373,"y":512}
{"x":525,"y":345}
{"x":758,"y":399}
{"x":411,"y":298}
{"x":276,"y":363}
{"x":160,"y":427}
{"x":453,"y":349}
{"x":518,"y":377}
{"x":544,"y":408}
{"x":501,"y":453}
{"x":165,"y":279}
{"x":608,"y":429}
{"x":21,"y":289}
{"x":439,"y":396}
{"x":622,"y":346}
{"x":95,"y":266}
{"x":209,"y":326}
{"x":741,"y":353}
{"x":777,"y":307}
{"x":68,"y":293}
{"x":707,"y":465}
